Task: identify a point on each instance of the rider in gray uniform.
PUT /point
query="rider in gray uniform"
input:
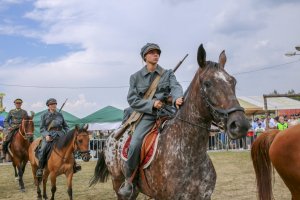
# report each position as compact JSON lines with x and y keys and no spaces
{"x":139,"y":84}
{"x":53,"y":125}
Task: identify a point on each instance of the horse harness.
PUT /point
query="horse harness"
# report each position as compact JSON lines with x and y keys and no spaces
{"x":76,"y":143}
{"x":23,"y":127}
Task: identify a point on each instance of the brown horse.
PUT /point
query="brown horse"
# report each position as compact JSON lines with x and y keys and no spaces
{"x":18,"y":148}
{"x":182,"y":168}
{"x":282,"y":149}
{"x":61,"y":160}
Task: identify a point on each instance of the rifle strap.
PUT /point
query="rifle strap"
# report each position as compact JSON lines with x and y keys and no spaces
{"x":135,"y":117}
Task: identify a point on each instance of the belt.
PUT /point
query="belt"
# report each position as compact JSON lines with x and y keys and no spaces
{"x":55,"y":129}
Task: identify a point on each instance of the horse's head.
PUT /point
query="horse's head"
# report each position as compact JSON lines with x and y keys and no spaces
{"x":27,"y":127}
{"x":217,"y":89}
{"x":82,"y":142}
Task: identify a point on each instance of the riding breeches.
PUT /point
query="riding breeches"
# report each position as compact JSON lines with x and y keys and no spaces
{"x":8,"y":140}
{"x":43,"y":153}
{"x":136,"y":142}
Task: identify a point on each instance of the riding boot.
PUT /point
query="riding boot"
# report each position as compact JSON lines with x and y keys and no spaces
{"x":76,"y":167}
{"x":4,"y":149}
{"x":129,"y":185}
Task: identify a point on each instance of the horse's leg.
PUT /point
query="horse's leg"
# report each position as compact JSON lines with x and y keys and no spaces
{"x":36,"y":181}
{"x":45,"y":179}
{"x":69,"y":182}
{"x":21,"y":183}
{"x":16,"y":173}
{"x":53,"y":184}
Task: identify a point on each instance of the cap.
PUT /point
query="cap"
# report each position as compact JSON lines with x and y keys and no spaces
{"x":51,"y":101}
{"x":148,"y":47}
{"x":18,"y":101}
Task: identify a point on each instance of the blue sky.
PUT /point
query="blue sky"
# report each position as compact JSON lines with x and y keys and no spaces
{"x":48,"y":43}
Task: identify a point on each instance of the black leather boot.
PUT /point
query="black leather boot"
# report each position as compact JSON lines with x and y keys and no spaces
{"x":4,"y":150}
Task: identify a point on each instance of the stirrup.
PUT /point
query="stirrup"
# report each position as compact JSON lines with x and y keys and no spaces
{"x":130,"y":191}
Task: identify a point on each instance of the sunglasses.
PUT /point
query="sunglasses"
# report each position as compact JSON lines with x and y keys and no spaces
{"x":52,"y":104}
{"x":18,"y":103}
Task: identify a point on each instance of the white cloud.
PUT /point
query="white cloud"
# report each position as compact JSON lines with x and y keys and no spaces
{"x":110,"y":35}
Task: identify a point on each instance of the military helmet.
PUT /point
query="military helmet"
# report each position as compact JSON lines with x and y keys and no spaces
{"x":18,"y":100}
{"x":148,"y":47}
{"x":51,"y":101}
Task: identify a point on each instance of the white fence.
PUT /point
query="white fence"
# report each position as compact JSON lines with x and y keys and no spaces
{"x":216,"y":142}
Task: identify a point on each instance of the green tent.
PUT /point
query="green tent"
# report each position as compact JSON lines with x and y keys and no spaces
{"x":70,"y":119}
{"x":104,"y":115}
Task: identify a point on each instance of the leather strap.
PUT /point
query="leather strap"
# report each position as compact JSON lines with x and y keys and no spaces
{"x":135,"y":117}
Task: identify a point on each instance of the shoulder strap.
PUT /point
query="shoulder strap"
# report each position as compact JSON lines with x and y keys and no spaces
{"x":152,"y":89}
{"x":136,"y":116}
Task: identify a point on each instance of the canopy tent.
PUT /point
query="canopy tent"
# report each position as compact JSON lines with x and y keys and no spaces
{"x":69,"y":118}
{"x":107,"y":118}
{"x":2,"y":117}
{"x":250,"y":109}
{"x":255,"y":104}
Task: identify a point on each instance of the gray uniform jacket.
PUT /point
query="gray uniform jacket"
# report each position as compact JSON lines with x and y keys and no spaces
{"x":58,"y":125}
{"x":141,"y":81}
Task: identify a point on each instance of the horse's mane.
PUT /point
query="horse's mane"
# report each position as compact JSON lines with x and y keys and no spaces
{"x":65,"y":140}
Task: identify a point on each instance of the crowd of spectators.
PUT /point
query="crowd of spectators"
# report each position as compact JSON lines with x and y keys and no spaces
{"x":258,"y":126}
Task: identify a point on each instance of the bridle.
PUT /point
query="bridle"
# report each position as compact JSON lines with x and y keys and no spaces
{"x":217,"y":113}
{"x":26,"y":136}
{"x":76,"y":144}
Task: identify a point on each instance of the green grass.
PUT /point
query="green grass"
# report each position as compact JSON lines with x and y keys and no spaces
{"x":235,"y":180}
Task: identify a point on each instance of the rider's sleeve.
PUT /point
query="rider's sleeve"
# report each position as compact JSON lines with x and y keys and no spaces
{"x":176,"y":89}
{"x":43,"y":127}
{"x":7,"y":120}
{"x":135,"y":101}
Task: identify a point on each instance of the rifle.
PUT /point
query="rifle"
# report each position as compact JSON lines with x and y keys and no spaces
{"x":51,"y":124}
{"x":135,"y":117}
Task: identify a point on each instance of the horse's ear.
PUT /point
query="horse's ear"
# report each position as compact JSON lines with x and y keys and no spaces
{"x":32,"y":114}
{"x":222,"y":59}
{"x":201,"y":56}
{"x":76,"y":127}
{"x":85,"y":127}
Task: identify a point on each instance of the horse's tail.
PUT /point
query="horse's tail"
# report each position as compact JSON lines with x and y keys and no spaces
{"x":101,"y":171}
{"x":262,"y":164}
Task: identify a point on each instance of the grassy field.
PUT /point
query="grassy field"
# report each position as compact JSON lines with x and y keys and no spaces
{"x":235,"y":180}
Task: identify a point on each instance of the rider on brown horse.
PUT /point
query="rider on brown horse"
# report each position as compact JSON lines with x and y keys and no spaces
{"x":52,"y":126}
{"x":12,"y":123}
{"x":139,"y":84}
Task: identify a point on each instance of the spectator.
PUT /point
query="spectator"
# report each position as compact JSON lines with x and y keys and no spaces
{"x":259,"y":130}
{"x":1,"y":135}
{"x":292,"y":121}
{"x":1,"y":139}
{"x":282,"y":125}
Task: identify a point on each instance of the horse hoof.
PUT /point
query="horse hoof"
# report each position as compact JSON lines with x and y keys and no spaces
{"x":16,"y":178}
{"x":22,"y":190}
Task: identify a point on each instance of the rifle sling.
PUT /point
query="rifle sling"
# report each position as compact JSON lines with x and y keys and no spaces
{"x":135,"y":117}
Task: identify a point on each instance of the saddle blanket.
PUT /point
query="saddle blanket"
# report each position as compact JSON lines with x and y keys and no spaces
{"x":148,"y":149}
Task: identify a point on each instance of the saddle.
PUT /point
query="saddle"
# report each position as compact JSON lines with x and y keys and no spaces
{"x":48,"y":150}
{"x":149,"y":145}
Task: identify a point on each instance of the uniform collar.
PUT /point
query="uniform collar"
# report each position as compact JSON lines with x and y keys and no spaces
{"x":157,"y":70}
